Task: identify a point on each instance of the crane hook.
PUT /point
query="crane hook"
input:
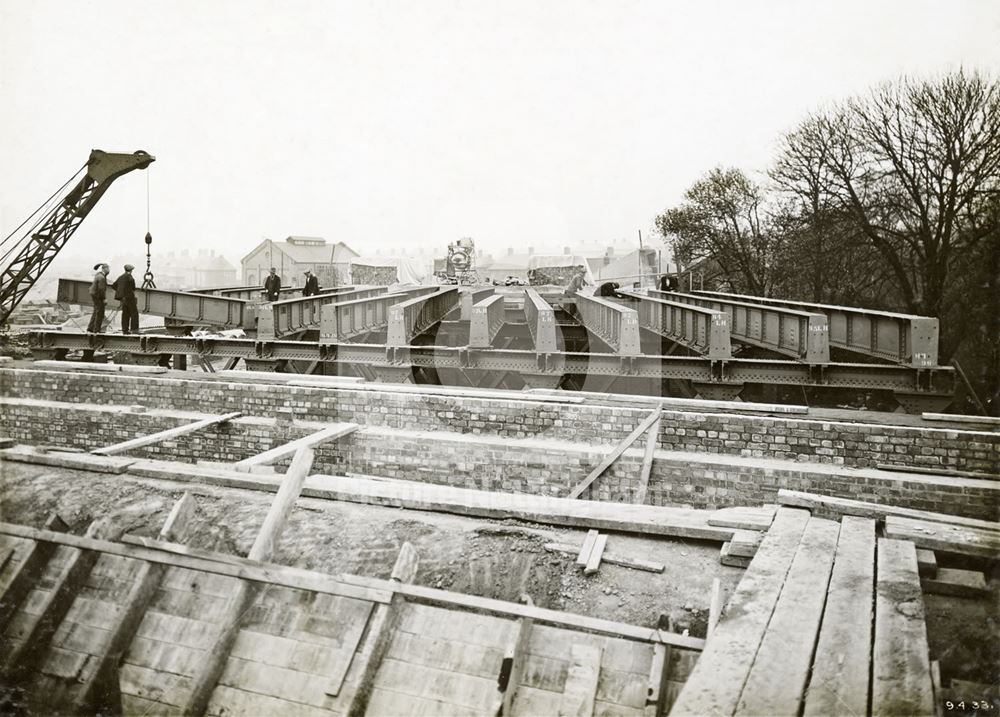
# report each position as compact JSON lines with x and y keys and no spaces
{"x":147,"y":278}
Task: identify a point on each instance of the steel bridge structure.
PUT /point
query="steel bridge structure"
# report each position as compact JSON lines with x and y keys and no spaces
{"x":523,"y":338}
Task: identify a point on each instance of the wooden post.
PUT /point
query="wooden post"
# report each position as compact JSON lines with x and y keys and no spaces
{"x":613,"y":456}
{"x":214,"y":661}
{"x":513,"y":663}
{"x":103,"y":677}
{"x":647,"y":461}
{"x":380,"y":629}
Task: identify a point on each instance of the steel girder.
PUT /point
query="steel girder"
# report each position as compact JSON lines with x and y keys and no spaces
{"x":180,"y":306}
{"x":541,"y":321}
{"x":938,"y":381}
{"x":615,"y":325}
{"x":487,"y":319}
{"x":796,"y":333}
{"x":290,"y":316}
{"x":256,"y":293}
{"x":413,"y":317}
{"x":703,"y":330}
{"x":344,"y":320}
{"x":470,"y":297}
{"x":900,"y":338}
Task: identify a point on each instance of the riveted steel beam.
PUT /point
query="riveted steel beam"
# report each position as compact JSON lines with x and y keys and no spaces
{"x":413,"y":317}
{"x":799,"y":334}
{"x":614,"y":324}
{"x":345,"y":320}
{"x":901,"y":338}
{"x":703,"y":330}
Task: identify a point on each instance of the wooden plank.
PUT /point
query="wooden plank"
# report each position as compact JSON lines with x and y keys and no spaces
{"x":381,"y":626}
{"x":745,"y":543}
{"x":647,"y":461}
{"x":615,"y":453}
{"x":163,"y":435}
{"x":926,"y":563}
{"x":716,"y":682}
{"x":463,"y":692}
{"x":74,"y":461}
{"x":587,"y":514}
{"x":790,"y":640}
{"x":901,"y":673}
{"x":959,"y":583}
{"x":657,"y":677}
{"x":267,"y":458}
{"x":350,"y":640}
{"x":104,"y":677}
{"x":513,"y":663}
{"x":841,"y":667}
{"x":733,"y":561}
{"x":714,"y":607}
{"x":879,"y":511}
{"x":949,"y":538}
{"x":581,"y":682}
{"x":180,"y":556}
{"x":213,"y":662}
{"x":232,"y":701}
{"x":742,"y":518}
{"x":20,"y":580}
{"x":594,"y":561}
{"x":612,"y":558}
{"x":961,"y":418}
{"x":57,"y":601}
{"x":587,"y":548}
{"x":927,"y":471}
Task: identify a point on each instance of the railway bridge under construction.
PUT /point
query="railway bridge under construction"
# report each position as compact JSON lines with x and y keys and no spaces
{"x":703,"y":344}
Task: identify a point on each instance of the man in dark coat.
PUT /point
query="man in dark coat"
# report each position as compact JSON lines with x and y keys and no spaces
{"x":98,"y":297}
{"x":124,"y":287}
{"x":272,"y":285}
{"x":312,"y":284}
{"x":667,"y":283}
{"x":609,"y":290}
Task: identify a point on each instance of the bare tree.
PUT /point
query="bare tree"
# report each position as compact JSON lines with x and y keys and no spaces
{"x":905,"y":165}
{"x":723,"y":219}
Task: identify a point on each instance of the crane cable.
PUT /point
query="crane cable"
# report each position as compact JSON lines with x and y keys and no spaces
{"x":42,"y":212}
{"x":147,"y":278}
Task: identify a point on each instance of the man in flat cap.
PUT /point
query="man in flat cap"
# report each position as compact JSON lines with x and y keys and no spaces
{"x":311,"y":287}
{"x":124,"y":287}
{"x":98,"y":297}
{"x":272,"y":285}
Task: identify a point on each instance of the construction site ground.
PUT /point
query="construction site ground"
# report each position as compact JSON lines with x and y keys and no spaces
{"x":490,"y":558}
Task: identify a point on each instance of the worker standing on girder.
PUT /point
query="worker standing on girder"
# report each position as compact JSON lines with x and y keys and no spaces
{"x":98,"y":297}
{"x":124,"y":287}
{"x":272,"y":285}
{"x":312,"y":284}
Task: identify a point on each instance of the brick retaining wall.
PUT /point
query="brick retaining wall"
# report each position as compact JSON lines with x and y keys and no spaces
{"x":802,"y":439}
{"x":536,"y":466}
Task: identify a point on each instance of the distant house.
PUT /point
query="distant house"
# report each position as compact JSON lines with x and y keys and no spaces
{"x":184,"y":270}
{"x":331,"y":263}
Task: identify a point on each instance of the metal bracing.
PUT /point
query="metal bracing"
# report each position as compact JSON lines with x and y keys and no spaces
{"x":705,"y":331}
{"x":470,"y":297}
{"x":178,"y":305}
{"x":939,"y":381}
{"x":615,"y":325}
{"x":345,"y":320}
{"x":413,"y":317}
{"x":541,"y":321}
{"x":800,"y":334}
{"x":901,"y":338}
{"x":487,"y":319}
{"x":291,"y":316}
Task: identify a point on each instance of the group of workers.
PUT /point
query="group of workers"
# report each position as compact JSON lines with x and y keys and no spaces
{"x":272,"y":285}
{"x":124,"y":287}
{"x":610,"y":289}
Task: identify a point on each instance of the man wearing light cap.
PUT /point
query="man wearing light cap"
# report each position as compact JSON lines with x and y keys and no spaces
{"x":98,"y":297}
{"x":124,"y":287}
{"x":311,"y":287}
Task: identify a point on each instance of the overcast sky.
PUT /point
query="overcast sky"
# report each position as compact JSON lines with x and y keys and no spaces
{"x":384,"y":123}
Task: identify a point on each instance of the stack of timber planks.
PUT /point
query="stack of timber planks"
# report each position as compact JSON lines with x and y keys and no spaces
{"x":803,"y":611}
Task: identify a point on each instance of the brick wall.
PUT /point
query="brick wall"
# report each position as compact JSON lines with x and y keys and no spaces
{"x":535,"y":466}
{"x":802,"y":439}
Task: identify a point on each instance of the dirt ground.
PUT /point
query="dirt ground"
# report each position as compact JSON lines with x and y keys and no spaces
{"x":500,"y":559}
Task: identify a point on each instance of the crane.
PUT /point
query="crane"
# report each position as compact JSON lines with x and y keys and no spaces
{"x":36,"y":249}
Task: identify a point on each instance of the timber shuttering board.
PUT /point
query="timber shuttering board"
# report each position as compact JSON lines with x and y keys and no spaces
{"x":826,"y":620}
{"x":303,"y":652}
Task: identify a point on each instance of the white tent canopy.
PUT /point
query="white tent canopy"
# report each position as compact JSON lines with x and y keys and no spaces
{"x":408,"y":271}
